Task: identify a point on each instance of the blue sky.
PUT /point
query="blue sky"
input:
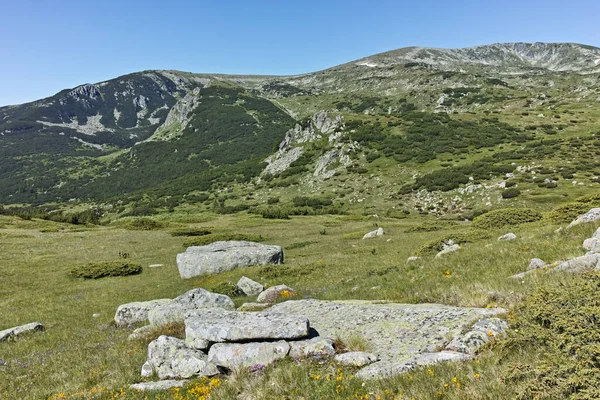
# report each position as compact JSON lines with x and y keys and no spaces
{"x":46,"y":46}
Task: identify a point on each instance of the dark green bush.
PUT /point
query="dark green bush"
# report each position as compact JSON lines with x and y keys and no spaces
{"x":143,"y":224}
{"x":109,"y":268}
{"x":190,"y":232}
{"x":273,"y":200}
{"x":227,"y":288}
{"x":569,"y":211}
{"x":506,"y":217}
{"x":510,"y":193}
{"x":219,"y":237}
{"x":275,"y":213}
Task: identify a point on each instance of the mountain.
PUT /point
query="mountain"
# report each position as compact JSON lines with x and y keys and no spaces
{"x":412,"y":120}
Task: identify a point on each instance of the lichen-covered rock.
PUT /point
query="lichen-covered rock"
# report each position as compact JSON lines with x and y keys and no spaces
{"x":592,"y":245}
{"x":250,"y":287}
{"x":132,"y":313}
{"x":156,"y":386}
{"x":147,"y":370}
{"x":375,"y":233}
{"x":384,"y":369}
{"x":536,"y":263}
{"x":316,"y":347}
{"x":481,"y":332}
{"x":192,"y":300}
{"x":234,"y":355}
{"x":275,"y":293}
{"x":579,"y":264}
{"x":224,"y":256}
{"x":216,"y":325}
{"x":172,"y":358}
{"x":19,"y":330}
{"x":356,"y":358}
{"x":591,"y":216}
{"x":508,"y":236}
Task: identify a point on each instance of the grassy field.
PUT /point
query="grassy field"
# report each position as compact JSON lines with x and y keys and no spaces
{"x":80,"y":356}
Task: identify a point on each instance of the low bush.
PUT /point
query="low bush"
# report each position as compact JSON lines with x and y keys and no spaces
{"x":506,"y":217}
{"x":190,"y":232}
{"x":567,"y":212}
{"x":219,"y":237}
{"x":275,"y":213}
{"x":510,"y":193}
{"x":227,"y":288}
{"x":101,"y":270}
{"x":142,"y":224}
{"x":436,"y":245}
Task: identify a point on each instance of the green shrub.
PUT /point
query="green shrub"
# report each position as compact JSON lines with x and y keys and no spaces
{"x":397,"y":214}
{"x":273,"y":200}
{"x":506,"y":217}
{"x":190,"y":232}
{"x":275,"y":213}
{"x":142,"y":224}
{"x":558,"y":322}
{"x":227,"y":288}
{"x":510,"y":193}
{"x":436,"y":245}
{"x":219,"y":237}
{"x":569,"y":211}
{"x":109,"y":268}
{"x":424,"y":227}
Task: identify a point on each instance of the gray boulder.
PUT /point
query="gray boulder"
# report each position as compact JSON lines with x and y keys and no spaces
{"x":20,"y":330}
{"x":356,"y":358}
{"x":579,"y":264}
{"x":234,"y":355}
{"x":447,"y":249}
{"x":224,"y":256}
{"x":216,"y":325}
{"x":590,"y":216}
{"x":160,"y":385}
{"x":316,"y":347}
{"x":373,"y":234}
{"x":131,"y":313}
{"x":508,"y":236}
{"x":171,"y":358}
{"x":592,"y":245}
{"x":192,"y":300}
{"x":536,"y":263}
{"x":250,"y":287}
{"x":274,"y":293}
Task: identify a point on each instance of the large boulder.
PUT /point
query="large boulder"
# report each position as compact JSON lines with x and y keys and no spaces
{"x":274,"y":293}
{"x":171,"y":358}
{"x":579,"y":264}
{"x":591,"y":216}
{"x":215,"y":325}
{"x":224,"y":256}
{"x":192,"y":300}
{"x":250,"y":287}
{"x":320,"y":347}
{"x":19,"y":330}
{"x":131,"y":313}
{"x":234,"y":355}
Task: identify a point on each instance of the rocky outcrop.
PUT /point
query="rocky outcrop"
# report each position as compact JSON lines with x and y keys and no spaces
{"x":581,"y":264}
{"x":225,"y":256}
{"x":274,"y":293}
{"x":479,"y":334}
{"x":250,"y":287}
{"x":21,"y":330}
{"x":591,"y":216}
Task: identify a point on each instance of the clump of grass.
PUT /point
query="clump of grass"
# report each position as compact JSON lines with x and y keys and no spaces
{"x":300,"y":245}
{"x":354,"y":235}
{"x":227,"y":288}
{"x":174,"y":329}
{"x":352,"y":342}
{"x":143,"y":224}
{"x":190,"y":232}
{"x":436,"y":245}
{"x":506,"y":217}
{"x":104,"y":269}
{"x":219,"y":237}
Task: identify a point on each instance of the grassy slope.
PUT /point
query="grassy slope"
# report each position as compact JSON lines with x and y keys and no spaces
{"x":325,"y":259}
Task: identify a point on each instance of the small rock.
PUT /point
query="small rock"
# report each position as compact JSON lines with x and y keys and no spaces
{"x":147,"y":370}
{"x":156,"y":265}
{"x":96,"y":315}
{"x":3,"y":363}
{"x":233,"y":355}
{"x":140,"y":332}
{"x":160,"y":385}
{"x":19,"y":330}
{"x":172,"y":358}
{"x":253,"y":306}
{"x":412,"y":259}
{"x":356,"y":358}
{"x":372,"y":234}
{"x":250,"y":287}
{"x":315,"y":347}
{"x":448,"y":249}
{"x":592,"y":244}
{"x":468,"y":343}
{"x":355,"y":288}
{"x":508,"y":236}
{"x":384,"y":369}
{"x":275,"y":293}
{"x":389,"y":240}
{"x":536,"y":263}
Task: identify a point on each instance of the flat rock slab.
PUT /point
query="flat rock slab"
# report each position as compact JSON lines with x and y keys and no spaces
{"x":192,"y":300}
{"x":216,"y":325}
{"x":224,"y":256}
{"x":393,"y":332}
{"x":19,"y":330}
{"x":235,"y":355}
{"x":160,"y":385}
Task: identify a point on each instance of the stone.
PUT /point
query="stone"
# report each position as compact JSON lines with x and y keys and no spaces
{"x":592,"y":245}
{"x":495,"y":326}
{"x":3,"y":363}
{"x":384,"y":369}
{"x":141,"y":332}
{"x":356,"y":358}
{"x":95,"y":315}
{"x":225,"y":256}
{"x":20,"y":330}
{"x":448,"y":249}
{"x":160,"y":385}
{"x":254,"y":306}
{"x":372,"y":234}
{"x":147,"y":370}
{"x":171,"y":358}
{"x":508,"y":236}
{"x":579,"y":264}
{"x":174,"y":311}
{"x":468,"y":343}
{"x":521,"y":275}
{"x":536,"y":263}
{"x":275,"y":293}
{"x":396,"y":333}
{"x":412,"y":259}
{"x":132,"y":313}
{"x":156,"y":265}
{"x":215,"y":325}
{"x":440,"y":356}
{"x":590,"y":216}
{"x":250,"y":287}
{"x":234,"y":355}
{"x":320,"y":347}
